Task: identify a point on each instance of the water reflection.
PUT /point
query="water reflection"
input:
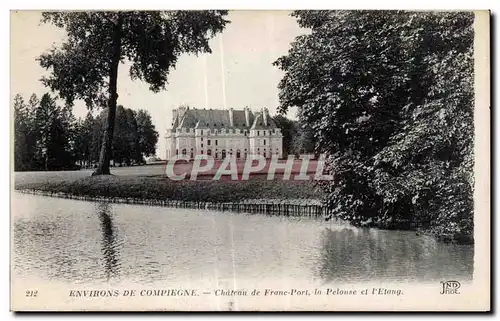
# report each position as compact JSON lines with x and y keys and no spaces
{"x":85,"y":241}
{"x":110,"y":246}
{"x":359,"y":254}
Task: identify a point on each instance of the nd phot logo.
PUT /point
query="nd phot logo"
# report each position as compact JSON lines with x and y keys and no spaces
{"x":450,"y":287}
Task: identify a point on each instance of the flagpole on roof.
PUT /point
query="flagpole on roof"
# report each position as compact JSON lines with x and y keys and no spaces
{"x":223,"y":76}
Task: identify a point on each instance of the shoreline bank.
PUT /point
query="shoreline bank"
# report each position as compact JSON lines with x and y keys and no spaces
{"x":277,"y":197}
{"x":274,"y":207}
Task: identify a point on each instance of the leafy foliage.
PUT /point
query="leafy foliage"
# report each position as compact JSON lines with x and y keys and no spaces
{"x":288,"y":129}
{"x":148,"y":136}
{"x":48,"y":137}
{"x":389,"y":97}
{"x":42,"y":134}
{"x":85,"y":66}
{"x":298,"y":138}
{"x":151,"y":41}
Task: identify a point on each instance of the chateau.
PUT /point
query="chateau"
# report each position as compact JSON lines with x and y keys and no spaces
{"x":220,"y":133}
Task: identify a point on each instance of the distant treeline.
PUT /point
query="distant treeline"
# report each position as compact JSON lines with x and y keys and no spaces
{"x":49,"y":137}
{"x":298,"y":138}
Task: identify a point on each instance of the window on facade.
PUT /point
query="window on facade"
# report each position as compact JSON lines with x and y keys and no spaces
{"x":202,"y":139}
{"x":202,"y":131}
{"x":201,"y":145}
{"x":208,"y":142}
{"x":209,"y":152}
{"x":264,"y":142}
{"x":184,"y":151}
{"x":258,"y":132}
{"x":176,"y":152}
{"x":202,"y":151}
{"x":216,"y":142}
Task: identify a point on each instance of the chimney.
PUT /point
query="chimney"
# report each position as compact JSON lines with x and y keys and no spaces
{"x":247,"y":116}
{"x":181,"y":111}
{"x":231,"y":117}
{"x":174,"y":115}
{"x":265,"y":113}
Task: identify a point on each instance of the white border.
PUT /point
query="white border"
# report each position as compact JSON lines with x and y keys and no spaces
{"x":191,"y":4}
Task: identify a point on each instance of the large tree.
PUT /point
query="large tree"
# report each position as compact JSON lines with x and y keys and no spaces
{"x":85,"y":66}
{"x":389,"y":96}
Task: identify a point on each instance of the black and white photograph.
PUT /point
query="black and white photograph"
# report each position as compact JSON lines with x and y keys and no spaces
{"x":250,"y":160}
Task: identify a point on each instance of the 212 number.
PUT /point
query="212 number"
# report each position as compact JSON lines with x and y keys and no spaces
{"x":31,"y":293}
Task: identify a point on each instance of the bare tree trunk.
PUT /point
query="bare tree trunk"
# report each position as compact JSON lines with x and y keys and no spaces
{"x":107,"y":141}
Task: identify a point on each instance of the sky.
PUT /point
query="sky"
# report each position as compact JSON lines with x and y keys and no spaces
{"x":238,"y":72}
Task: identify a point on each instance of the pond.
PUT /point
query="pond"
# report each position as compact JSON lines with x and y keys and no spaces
{"x":79,"y":241}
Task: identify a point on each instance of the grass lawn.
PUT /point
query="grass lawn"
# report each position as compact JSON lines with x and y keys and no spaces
{"x":161,"y":188}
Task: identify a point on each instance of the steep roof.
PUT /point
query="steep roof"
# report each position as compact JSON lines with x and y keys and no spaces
{"x":212,"y":118}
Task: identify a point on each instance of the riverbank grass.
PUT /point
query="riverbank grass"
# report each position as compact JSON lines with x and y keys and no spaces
{"x":161,"y":188}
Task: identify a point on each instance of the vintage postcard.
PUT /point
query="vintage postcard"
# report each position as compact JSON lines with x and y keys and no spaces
{"x":224,"y":160}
